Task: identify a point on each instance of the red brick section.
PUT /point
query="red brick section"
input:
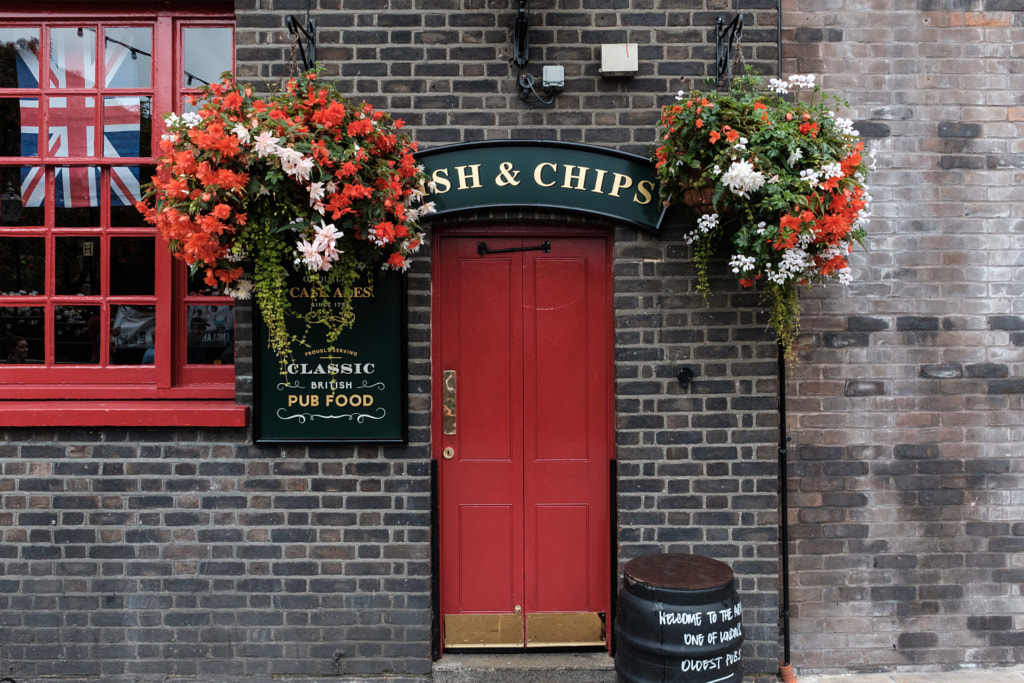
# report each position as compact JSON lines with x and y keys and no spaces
{"x":907,"y":405}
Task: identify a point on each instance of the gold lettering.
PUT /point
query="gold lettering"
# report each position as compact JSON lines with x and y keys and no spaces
{"x":440,"y":178}
{"x":580,"y":178}
{"x":506,"y":175}
{"x":620,"y":182}
{"x":537,"y":178}
{"x":465,"y":177}
{"x":644,"y":192}
{"x":599,"y":181}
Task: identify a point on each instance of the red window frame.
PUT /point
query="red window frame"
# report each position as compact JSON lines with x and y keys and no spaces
{"x":117,"y":388}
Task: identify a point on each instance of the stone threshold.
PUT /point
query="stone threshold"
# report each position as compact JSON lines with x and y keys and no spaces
{"x":527,"y":667}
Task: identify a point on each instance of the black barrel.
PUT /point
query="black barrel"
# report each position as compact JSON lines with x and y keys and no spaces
{"x":678,"y":620}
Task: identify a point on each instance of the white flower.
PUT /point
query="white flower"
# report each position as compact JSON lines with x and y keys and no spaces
{"x":316,"y":193}
{"x":242,"y":290}
{"x":810,"y":176}
{"x":845,"y":127}
{"x":303,"y":169}
{"x":191,"y":119}
{"x":802,"y":81}
{"x":832,"y":171}
{"x":265,"y":145}
{"x":741,"y":263}
{"x":681,"y":95}
{"x":241,"y":132}
{"x":777,"y":86}
{"x":309,"y":256}
{"x":289,"y":157}
{"x":796,"y":156}
{"x":741,"y":178}
{"x":326,"y":236}
{"x":707,"y":222}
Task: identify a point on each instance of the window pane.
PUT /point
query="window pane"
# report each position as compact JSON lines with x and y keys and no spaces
{"x":133,"y":333}
{"x":211,"y":333}
{"x":78,"y":334}
{"x":13,"y":210}
{"x":19,"y":58}
{"x":127,"y":127}
{"x":78,"y":265}
{"x":124,"y":179}
{"x":23,"y":267}
{"x":22,"y":323}
{"x":26,"y":185}
{"x":73,"y":57}
{"x":70,"y":126}
{"x":76,"y":201}
{"x":19,"y":126}
{"x":207,"y":55}
{"x":132,"y":265}
{"x":128,"y":59}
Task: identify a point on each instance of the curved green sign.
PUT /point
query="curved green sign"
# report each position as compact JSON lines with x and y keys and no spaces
{"x":538,"y":174}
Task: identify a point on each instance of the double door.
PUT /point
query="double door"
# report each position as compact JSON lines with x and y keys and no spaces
{"x":522,"y":437}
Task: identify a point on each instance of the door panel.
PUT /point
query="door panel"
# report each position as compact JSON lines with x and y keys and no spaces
{"x":524,"y":519}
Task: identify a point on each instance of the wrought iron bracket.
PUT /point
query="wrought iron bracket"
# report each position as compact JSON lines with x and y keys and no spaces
{"x":726,"y":40}
{"x":308,"y":51}
{"x":481,"y":248}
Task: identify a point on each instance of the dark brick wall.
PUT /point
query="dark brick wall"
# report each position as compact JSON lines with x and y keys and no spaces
{"x":907,"y":408}
{"x":155,"y":554}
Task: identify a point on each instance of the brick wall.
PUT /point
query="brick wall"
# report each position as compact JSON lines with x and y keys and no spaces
{"x":153,"y":554}
{"x":907,"y":408}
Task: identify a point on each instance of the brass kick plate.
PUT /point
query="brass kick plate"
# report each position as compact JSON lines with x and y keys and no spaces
{"x":548,"y":629}
{"x":565,"y":629}
{"x":483,"y":630}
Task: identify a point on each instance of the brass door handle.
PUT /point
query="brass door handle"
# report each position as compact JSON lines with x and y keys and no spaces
{"x":448,"y":423}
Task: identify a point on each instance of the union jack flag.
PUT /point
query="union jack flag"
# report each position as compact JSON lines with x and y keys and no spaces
{"x":71,"y":123}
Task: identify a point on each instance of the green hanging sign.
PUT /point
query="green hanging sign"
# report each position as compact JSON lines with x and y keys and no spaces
{"x":352,"y":389}
{"x":544,"y":175}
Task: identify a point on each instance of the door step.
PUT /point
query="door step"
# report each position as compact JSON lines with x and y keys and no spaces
{"x":528,"y":667}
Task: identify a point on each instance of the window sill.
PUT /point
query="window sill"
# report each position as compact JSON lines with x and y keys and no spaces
{"x":123,"y":414}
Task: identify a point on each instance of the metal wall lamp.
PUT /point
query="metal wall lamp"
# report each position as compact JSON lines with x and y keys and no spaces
{"x":552,"y":77}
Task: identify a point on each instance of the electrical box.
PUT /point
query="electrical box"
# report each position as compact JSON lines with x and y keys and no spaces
{"x":619,"y":59}
{"x":553,"y":77}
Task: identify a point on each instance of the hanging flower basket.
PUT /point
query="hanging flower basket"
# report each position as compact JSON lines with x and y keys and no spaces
{"x":301,"y":182}
{"x":776,"y":175}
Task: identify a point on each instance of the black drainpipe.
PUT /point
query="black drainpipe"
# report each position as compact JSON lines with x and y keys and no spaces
{"x":786,"y":670}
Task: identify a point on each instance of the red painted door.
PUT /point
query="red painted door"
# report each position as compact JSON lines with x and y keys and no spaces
{"x":523,"y":439}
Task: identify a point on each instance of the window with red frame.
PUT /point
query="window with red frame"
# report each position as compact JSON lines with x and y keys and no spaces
{"x":91,"y":303}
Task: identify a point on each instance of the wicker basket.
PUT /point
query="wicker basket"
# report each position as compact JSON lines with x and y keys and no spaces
{"x":700,"y":199}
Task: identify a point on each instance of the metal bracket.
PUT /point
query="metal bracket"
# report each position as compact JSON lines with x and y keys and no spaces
{"x":723,"y":48}
{"x":521,"y":37}
{"x":307,"y":52}
{"x":481,"y":248}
